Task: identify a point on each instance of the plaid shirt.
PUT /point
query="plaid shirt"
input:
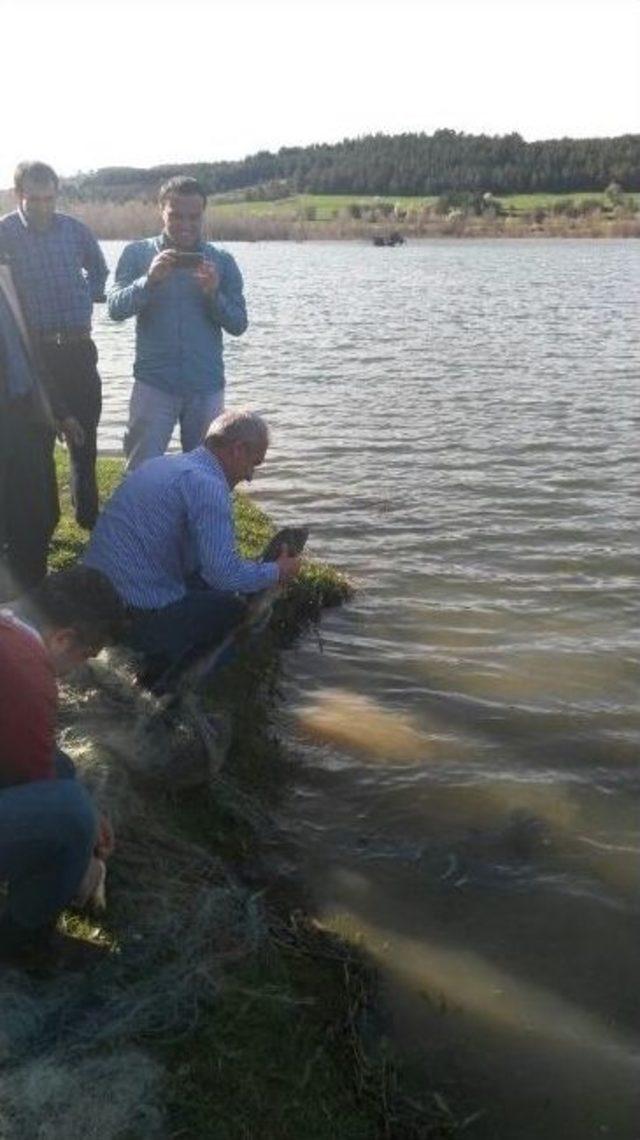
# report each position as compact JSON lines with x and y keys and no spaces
{"x":59,"y":272}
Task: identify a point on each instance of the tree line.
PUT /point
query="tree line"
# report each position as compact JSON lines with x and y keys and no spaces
{"x":407,"y":164}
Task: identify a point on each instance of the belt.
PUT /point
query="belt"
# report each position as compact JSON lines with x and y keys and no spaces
{"x":65,"y":336}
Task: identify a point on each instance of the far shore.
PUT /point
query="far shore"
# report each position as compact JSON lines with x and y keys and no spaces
{"x":309,"y":217}
{"x":225,"y":227}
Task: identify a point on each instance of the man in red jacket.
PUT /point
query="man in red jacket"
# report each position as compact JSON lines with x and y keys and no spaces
{"x":49,"y":828}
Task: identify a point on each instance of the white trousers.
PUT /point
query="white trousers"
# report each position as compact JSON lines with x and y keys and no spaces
{"x":153,"y":414}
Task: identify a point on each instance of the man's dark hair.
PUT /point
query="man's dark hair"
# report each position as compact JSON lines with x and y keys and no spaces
{"x":81,"y":599}
{"x":36,"y":172}
{"x":181,"y":184}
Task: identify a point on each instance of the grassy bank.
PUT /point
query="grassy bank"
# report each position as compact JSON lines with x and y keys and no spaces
{"x":358,"y":217}
{"x":223,"y":1011}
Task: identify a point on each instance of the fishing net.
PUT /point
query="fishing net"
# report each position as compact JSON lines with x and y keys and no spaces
{"x":71,"y":1063}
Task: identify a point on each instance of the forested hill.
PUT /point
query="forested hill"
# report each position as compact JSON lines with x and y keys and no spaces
{"x":415,"y":164}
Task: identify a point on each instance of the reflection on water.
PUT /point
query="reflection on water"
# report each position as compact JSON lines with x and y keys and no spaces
{"x":463,"y":980}
{"x":478,"y":1017}
{"x":458,"y":423}
{"x":352,"y":720}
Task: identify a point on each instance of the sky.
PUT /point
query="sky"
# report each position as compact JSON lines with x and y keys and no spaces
{"x":92,"y":83}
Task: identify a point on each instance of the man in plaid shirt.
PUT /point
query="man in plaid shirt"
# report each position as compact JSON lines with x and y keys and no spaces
{"x":59,"y":272}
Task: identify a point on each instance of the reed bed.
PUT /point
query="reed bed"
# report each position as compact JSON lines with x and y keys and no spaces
{"x":291,"y":222}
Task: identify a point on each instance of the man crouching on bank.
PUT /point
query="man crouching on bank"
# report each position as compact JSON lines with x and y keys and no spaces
{"x":166,"y":541}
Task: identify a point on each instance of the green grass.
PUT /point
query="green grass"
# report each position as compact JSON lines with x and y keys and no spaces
{"x":69,"y":540}
{"x":327,"y":206}
{"x":276,"y":1058}
{"x":527,"y":203}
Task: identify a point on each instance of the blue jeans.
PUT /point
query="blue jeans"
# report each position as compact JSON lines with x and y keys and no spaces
{"x":48,"y":830}
{"x":153,"y":415}
{"x":174,"y":636}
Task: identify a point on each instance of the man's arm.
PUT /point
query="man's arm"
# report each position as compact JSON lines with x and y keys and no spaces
{"x":18,"y":351}
{"x":4,"y":249}
{"x":130,"y":290}
{"x":28,"y":707}
{"x":228,"y":306}
{"x":94,"y":264}
{"x":209,"y":510}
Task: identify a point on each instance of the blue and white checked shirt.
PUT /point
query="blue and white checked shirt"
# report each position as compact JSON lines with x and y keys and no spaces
{"x":178,"y":328}
{"x":59,"y":272}
{"x":170,"y":518}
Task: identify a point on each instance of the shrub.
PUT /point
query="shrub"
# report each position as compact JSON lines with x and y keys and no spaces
{"x":589,"y":206}
{"x":566,"y":207}
{"x":614,"y":193}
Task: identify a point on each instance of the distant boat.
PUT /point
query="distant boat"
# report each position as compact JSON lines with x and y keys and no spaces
{"x":394,"y":238}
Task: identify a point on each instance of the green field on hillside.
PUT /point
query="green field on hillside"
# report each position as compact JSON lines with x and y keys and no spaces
{"x":325,"y":207}
{"x":526,"y":203}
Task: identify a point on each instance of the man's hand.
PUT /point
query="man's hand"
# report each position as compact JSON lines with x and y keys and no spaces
{"x":288,"y":565}
{"x":105,"y":842}
{"x":207,"y":277}
{"x":161,"y":266}
{"x":71,"y":431}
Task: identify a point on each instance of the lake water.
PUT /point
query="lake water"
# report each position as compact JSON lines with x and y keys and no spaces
{"x":458,"y":422}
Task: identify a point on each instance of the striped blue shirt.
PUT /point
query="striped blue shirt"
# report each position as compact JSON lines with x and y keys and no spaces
{"x":59,"y":272}
{"x":169,"y":519}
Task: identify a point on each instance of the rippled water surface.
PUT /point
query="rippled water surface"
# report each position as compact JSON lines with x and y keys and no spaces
{"x":458,"y":423}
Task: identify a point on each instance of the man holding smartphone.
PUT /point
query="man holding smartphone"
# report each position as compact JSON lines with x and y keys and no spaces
{"x":184,"y":292}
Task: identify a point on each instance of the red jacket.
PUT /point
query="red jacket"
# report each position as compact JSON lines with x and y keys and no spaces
{"x":28,"y":705}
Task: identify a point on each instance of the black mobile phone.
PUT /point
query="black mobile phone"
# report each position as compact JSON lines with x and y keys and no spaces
{"x":186,"y":259}
{"x":293,"y":537}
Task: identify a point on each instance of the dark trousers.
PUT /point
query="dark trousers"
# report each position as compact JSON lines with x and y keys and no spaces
{"x":173,"y":637}
{"x":48,"y":830}
{"x":29,"y":508}
{"x":75,"y":378}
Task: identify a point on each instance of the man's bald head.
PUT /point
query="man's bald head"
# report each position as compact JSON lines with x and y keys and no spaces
{"x":239,"y":439}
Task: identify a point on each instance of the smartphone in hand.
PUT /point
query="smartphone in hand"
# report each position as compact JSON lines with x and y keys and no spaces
{"x":184,"y":259}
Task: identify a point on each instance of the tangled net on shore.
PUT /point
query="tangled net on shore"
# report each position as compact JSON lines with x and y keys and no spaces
{"x":71,"y":1063}
{"x":96,"y":1097}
